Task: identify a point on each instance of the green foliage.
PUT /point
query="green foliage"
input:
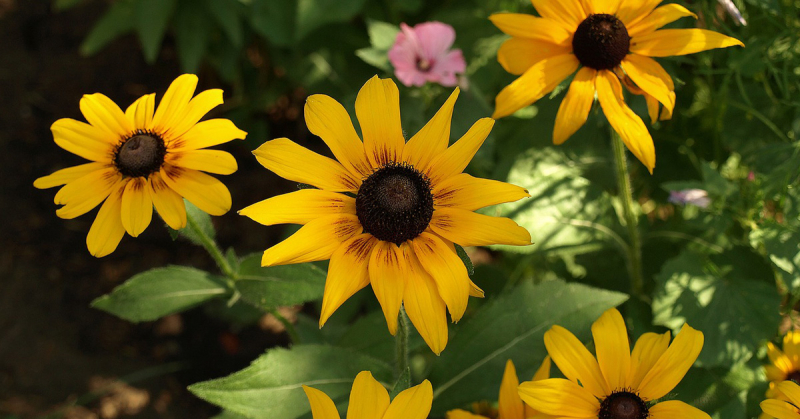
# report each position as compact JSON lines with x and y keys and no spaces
{"x":402,"y":383}
{"x":278,"y":286}
{"x":381,"y":38}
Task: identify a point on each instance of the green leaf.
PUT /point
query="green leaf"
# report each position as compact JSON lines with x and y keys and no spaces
{"x":271,"y":387}
{"x":274,"y":20}
{"x":191,"y":36}
{"x":465,"y":258}
{"x":403,"y":382}
{"x":61,"y":5}
{"x":722,"y":393}
{"x":226,"y":14}
{"x":152,"y":17}
{"x":369,"y":335}
{"x":117,"y":21}
{"x":381,"y":34}
{"x":511,"y":327}
{"x":277,"y":286}
{"x":201,"y":221}
{"x":729,"y":299}
{"x":158,"y":292}
{"x":782,"y":244}
{"x":313,"y":14}
{"x":374,"y":57}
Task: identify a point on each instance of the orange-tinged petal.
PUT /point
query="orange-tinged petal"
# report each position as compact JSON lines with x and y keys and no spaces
{"x":137,"y":206}
{"x":347,"y":273}
{"x":668,"y":371}
{"x":471,"y":193}
{"x":387,"y":275}
{"x":650,"y":77}
{"x":103,"y":113}
{"x":509,"y":404}
{"x":211,"y":161}
{"x":322,"y":406}
{"x":83,"y":194}
{"x":672,"y":409}
{"x":779,"y":409}
{"x":368,"y":399}
{"x":568,"y":14}
{"x":472,"y":229}
{"x":670,"y":42}
{"x":531,"y":27}
{"x":432,"y":140}
{"x":317,"y":240}
{"x":779,"y":359}
{"x":559,"y":397}
{"x":647,"y":350}
{"x":168,"y":203}
{"x":543,"y":372}
{"x":207,"y":134}
{"x":574,"y":361}
{"x":107,"y":230}
{"x":536,"y":82}
{"x":84,"y":140}
{"x":196,"y":109}
{"x":67,"y":175}
{"x":423,"y":304}
{"x":613,"y":349}
{"x":463,"y":414}
{"x":456,"y":158}
{"x":378,"y":112}
{"x":446,"y":268}
{"x":517,"y":55}
{"x":299,"y":164}
{"x":140,"y":113}
{"x":299,"y":207}
{"x":202,"y":190}
{"x":174,"y":103}
{"x":663,"y":15}
{"x":413,"y":403}
{"x":327,"y":119}
{"x":574,"y":109}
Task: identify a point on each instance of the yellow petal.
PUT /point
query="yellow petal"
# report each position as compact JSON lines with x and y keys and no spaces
{"x":83,"y":194}
{"x":140,"y":113}
{"x":791,"y":347}
{"x":202,"y":190}
{"x":84,"y":140}
{"x":322,"y":406}
{"x":378,"y":112}
{"x":103,"y":113}
{"x":463,"y":414}
{"x":387,"y":275}
{"x":613,"y":349}
{"x":211,"y":161}
{"x":536,"y":82}
{"x":531,"y":27}
{"x":672,"y":409}
{"x":299,"y":207}
{"x":413,"y":403}
{"x":299,"y":164}
{"x":207,"y":134}
{"x":67,"y":175}
{"x":423,"y":304}
{"x":779,"y":409}
{"x":647,"y":350}
{"x":791,"y":390}
{"x":669,"y":42}
{"x":650,"y":77}
{"x":368,"y":399}
{"x":137,"y":206}
{"x":543,"y":372}
{"x":609,"y":7}
{"x":327,"y":119}
{"x":779,"y":359}
{"x":432,"y":140}
{"x":446,"y":268}
{"x":107,"y":230}
{"x":471,"y":229}
{"x":559,"y":397}
{"x":668,"y":371}
{"x":568,"y":14}
{"x":173,"y":105}
{"x":574,"y":361}
{"x":631,"y":12}
{"x":652,"y":107}
{"x":517,"y":55}
{"x":197,"y":108}
{"x":774,"y":373}
{"x":575,"y":107}
{"x":627,"y":124}
{"x":347,"y":273}
{"x":314,"y":241}
{"x":663,"y":15}
{"x":471,"y":193}
{"x":509,"y":404}
{"x":456,"y":158}
{"x":168,"y":203}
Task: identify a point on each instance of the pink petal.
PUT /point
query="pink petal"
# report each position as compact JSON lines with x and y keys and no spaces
{"x":453,"y":62}
{"x":410,"y":77}
{"x":435,"y":38}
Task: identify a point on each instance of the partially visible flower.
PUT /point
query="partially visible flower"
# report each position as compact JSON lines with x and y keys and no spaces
{"x":510,"y":405}
{"x":369,"y":400}
{"x":696,"y":197}
{"x":733,"y":11}
{"x":619,"y":383}
{"x":785,"y":407}
{"x":610,"y":43}
{"x":784,"y":363}
{"x":422,"y":54}
{"x":141,"y":158}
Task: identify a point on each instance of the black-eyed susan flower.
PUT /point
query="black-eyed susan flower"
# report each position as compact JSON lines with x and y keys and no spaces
{"x":509,"y":404}
{"x":784,"y":364}
{"x":369,"y":400}
{"x":618,"y":384}
{"x":785,"y":406}
{"x":141,"y":158}
{"x":609,"y":41}
{"x":388,"y":212}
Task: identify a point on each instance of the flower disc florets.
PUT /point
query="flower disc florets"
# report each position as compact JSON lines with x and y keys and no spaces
{"x":140,"y":155}
{"x":601,"y":42}
{"x":395,"y":203}
{"x":623,"y":405}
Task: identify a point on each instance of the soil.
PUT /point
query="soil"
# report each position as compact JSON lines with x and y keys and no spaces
{"x":54,"y":348}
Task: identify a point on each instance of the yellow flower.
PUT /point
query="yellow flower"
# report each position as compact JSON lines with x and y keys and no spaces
{"x":609,"y":40}
{"x":388,"y":212}
{"x":510,"y":405}
{"x":142,"y":159}
{"x":617,"y":384}
{"x":785,"y":407}
{"x":785,"y":364}
{"x":369,"y":400}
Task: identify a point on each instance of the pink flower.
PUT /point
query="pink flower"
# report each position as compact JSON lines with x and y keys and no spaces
{"x":422,"y":53}
{"x":697,"y":197}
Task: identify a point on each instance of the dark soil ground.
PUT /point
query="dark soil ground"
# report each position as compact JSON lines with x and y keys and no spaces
{"x":54,"y":348}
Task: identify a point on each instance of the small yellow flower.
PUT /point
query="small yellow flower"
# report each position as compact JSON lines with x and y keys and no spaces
{"x":510,"y":405}
{"x":369,"y":400}
{"x":609,"y":40}
{"x":785,"y":407}
{"x":142,"y":159}
{"x":388,"y":212}
{"x":618,"y":384}
{"x":784,"y":364}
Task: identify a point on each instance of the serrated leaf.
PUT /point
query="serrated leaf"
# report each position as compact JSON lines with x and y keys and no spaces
{"x":152,"y":17}
{"x":278,"y":286}
{"x":512,"y":327}
{"x":161,"y":291}
{"x":271,"y":387}
{"x":226,"y":15}
{"x":191,"y":36}
{"x":117,"y":20}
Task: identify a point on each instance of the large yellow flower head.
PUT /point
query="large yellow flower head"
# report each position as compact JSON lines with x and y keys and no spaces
{"x":143,"y":158}
{"x":618,"y":384}
{"x":509,"y":404}
{"x":609,"y":40}
{"x":369,"y":400}
{"x":785,"y":406}
{"x":388,"y":212}
{"x":784,"y":364}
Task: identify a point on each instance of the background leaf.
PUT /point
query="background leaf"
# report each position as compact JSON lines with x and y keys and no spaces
{"x":277,"y":286}
{"x":118,"y":20}
{"x":152,"y":17}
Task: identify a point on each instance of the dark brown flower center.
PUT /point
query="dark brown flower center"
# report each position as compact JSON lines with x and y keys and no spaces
{"x":601,"y":42}
{"x":140,"y":155}
{"x":794,"y":376}
{"x":395,"y":203}
{"x":623,"y":405}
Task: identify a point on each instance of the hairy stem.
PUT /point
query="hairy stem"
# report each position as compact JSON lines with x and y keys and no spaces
{"x":631,"y":220}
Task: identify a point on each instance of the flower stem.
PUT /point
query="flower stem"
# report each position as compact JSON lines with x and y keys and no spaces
{"x":401,"y":342}
{"x":631,"y":220}
{"x":211,"y":247}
